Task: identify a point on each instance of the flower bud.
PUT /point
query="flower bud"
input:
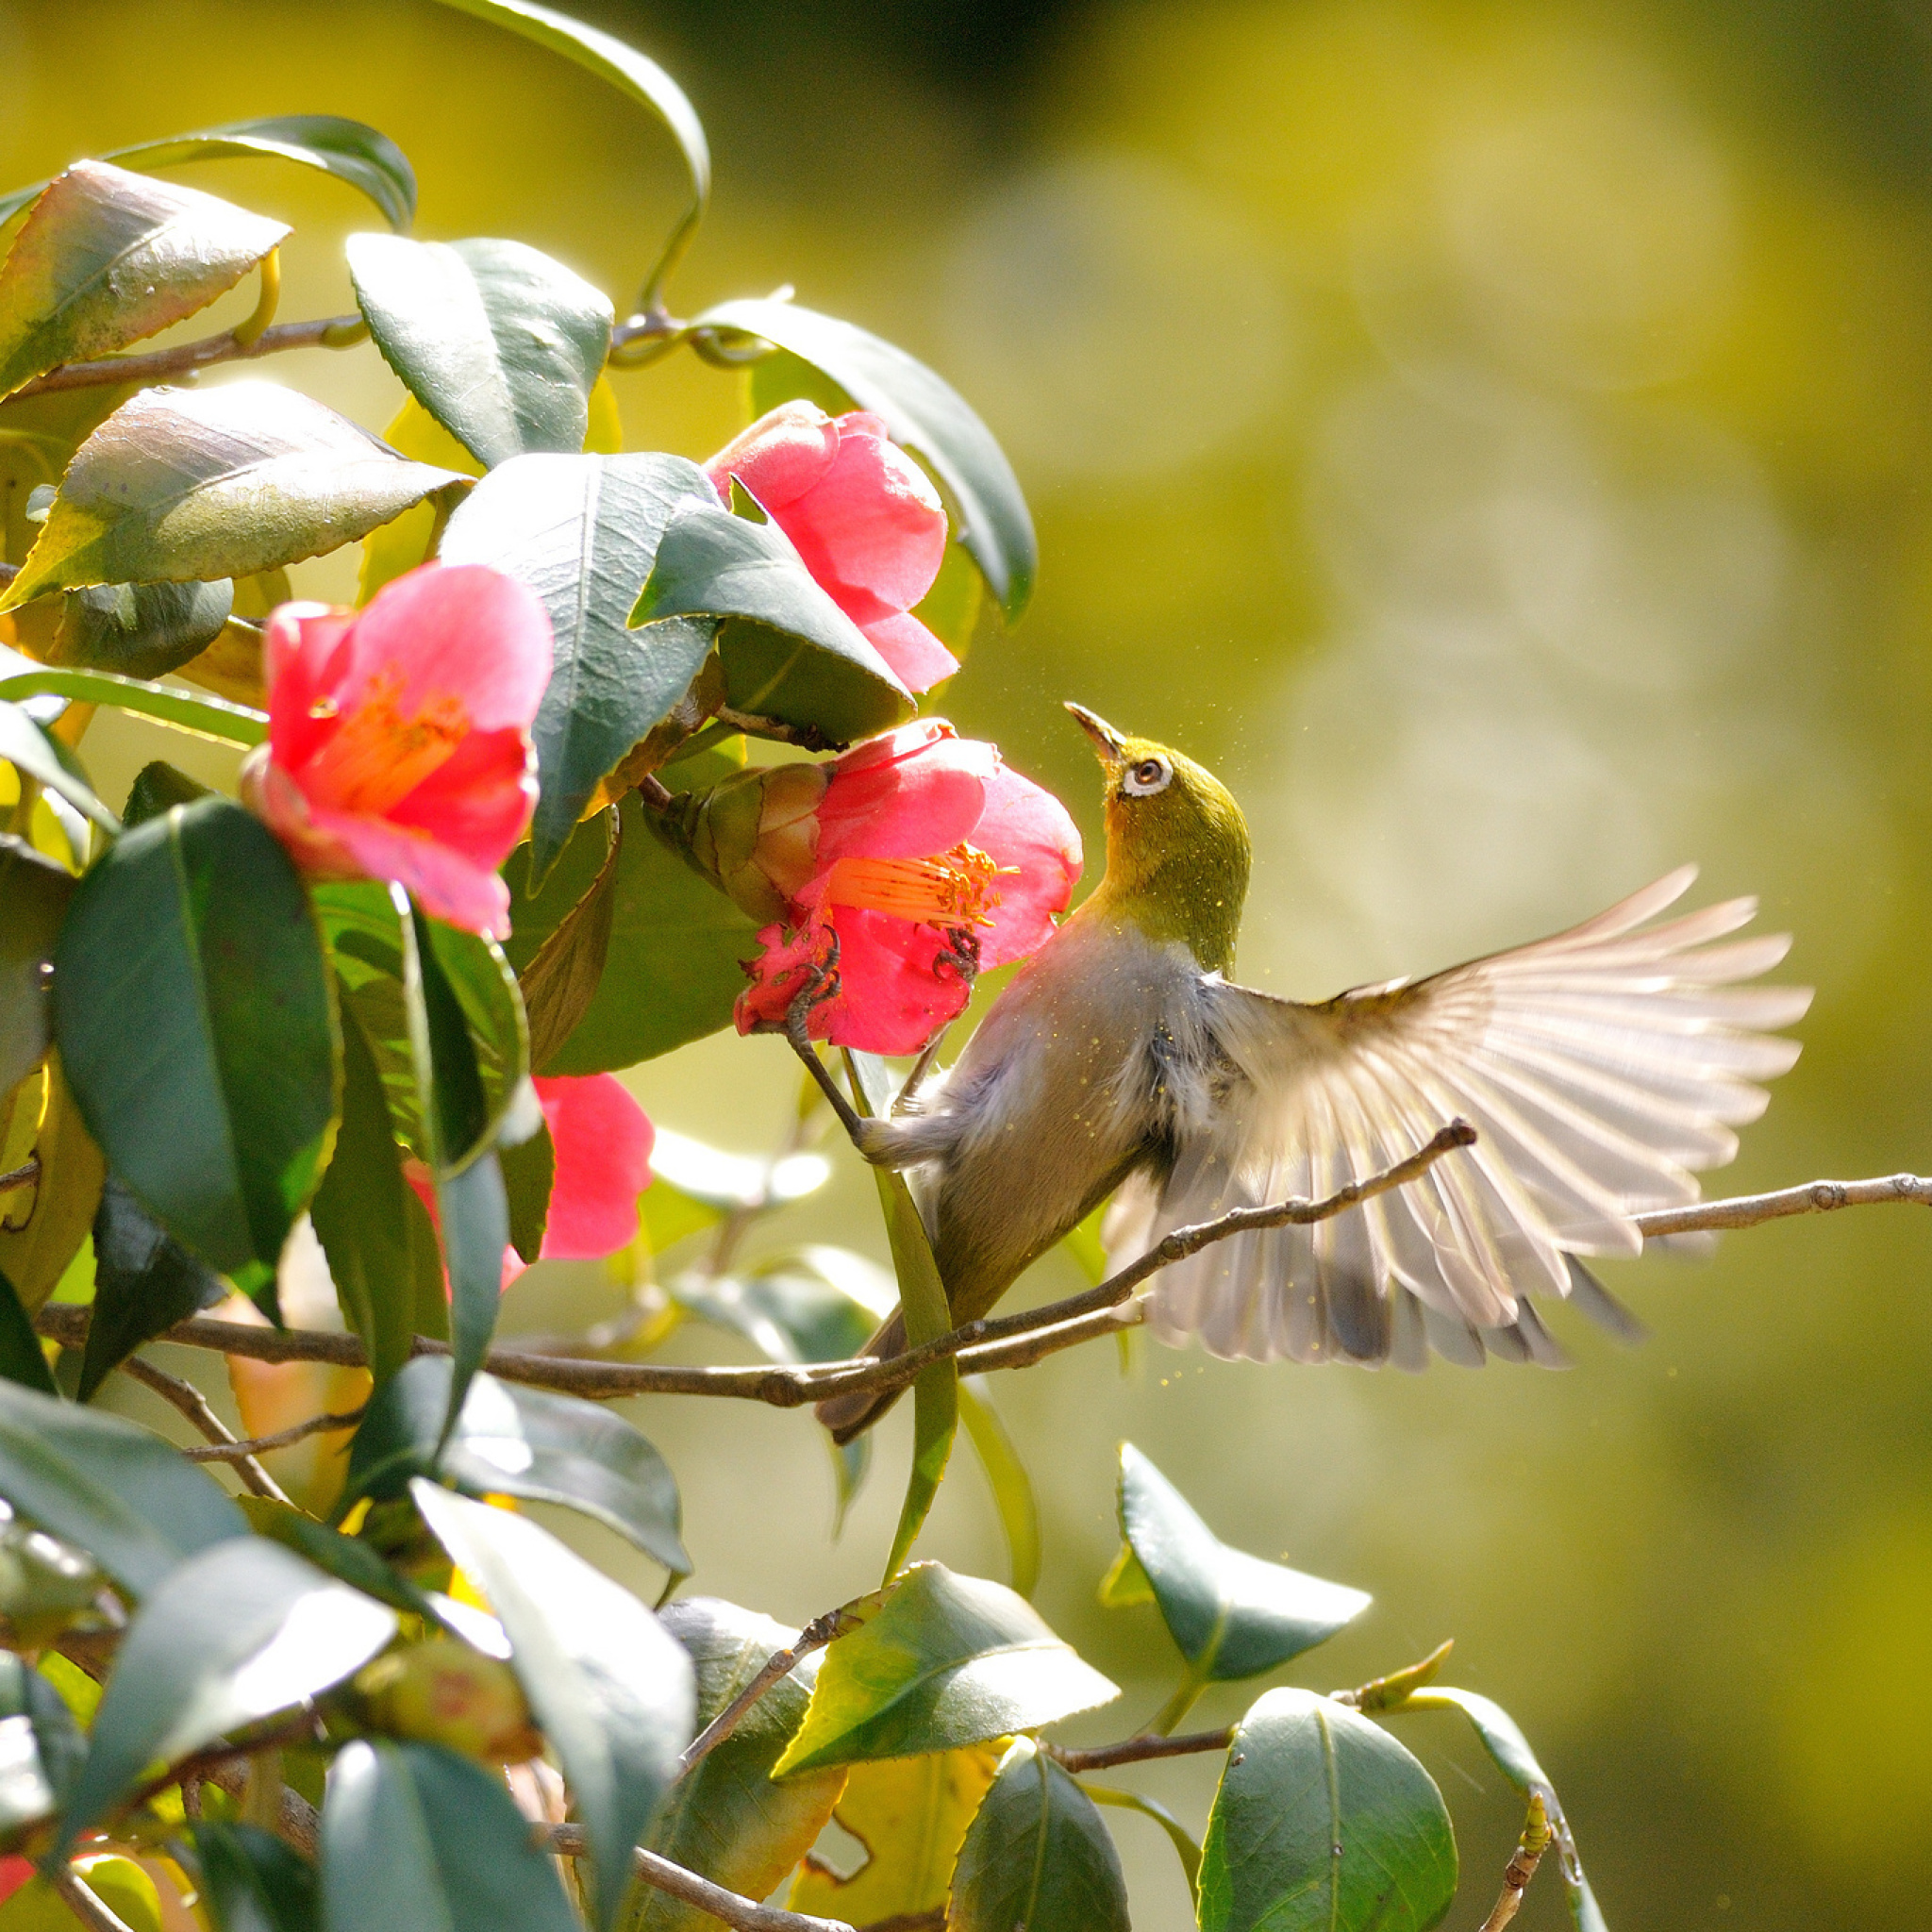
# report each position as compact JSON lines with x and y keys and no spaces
{"x":444,"y":1692}
{"x":757,"y":835}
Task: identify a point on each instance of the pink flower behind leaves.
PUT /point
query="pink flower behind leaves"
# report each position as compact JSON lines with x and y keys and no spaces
{"x":929,"y":850}
{"x":399,"y":743}
{"x":603,"y":1140}
{"x":860,"y":513}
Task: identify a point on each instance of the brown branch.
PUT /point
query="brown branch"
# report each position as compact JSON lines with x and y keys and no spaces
{"x":85,"y":1903}
{"x":746,"y":1915}
{"x":1138,"y":1750}
{"x":1522,"y":1863}
{"x":29,"y":1170}
{"x":331,"y":332}
{"x":185,"y":1398}
{"x":301,"y":1824}
{"x":1813,"y":1197}
{"x":257,"y":1446}
{"x":781,"y":1663}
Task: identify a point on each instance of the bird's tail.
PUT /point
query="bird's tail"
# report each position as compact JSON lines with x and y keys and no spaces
{"x":847,"y":1416}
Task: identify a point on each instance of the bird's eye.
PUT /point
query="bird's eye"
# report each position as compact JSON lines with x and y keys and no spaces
{"x":1150,"y":774}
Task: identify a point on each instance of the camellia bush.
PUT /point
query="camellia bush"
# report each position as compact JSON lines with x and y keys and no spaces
{"x":497,"y":836}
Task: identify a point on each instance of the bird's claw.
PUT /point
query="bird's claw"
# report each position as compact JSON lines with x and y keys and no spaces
{"x":961,"y":954}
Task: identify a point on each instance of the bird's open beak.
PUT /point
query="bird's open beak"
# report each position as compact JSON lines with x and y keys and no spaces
{"x":1111,"y":744}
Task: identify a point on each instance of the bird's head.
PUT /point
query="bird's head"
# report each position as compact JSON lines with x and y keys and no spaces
{"x":1178,"y":849}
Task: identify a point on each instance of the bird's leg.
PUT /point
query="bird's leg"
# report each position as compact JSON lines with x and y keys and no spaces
{"x":818,"y":984}
{"x":961,"y":954}
{"x":922,"y":1068}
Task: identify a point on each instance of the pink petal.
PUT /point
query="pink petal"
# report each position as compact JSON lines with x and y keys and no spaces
{"x":919,"y":660}
{"x":1026,"y":828}
{"x":445,"y":883}
{"x":298,"y":646}
{"x":908,"y":793}
{"x":873,"y":530}
{"x":779,"y":458}
{"x":603,"y":1141}
{"x":480,"y":801}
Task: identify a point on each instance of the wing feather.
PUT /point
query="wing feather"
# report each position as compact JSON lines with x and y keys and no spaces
{"x":1603,"y":1068}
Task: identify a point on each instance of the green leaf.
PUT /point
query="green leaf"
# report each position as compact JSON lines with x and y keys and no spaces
{"x":583,"y":532}
{"x":948,"y":1660}
{"x":1126,"y":1585}
{"x":251,"y":1882}
{"x":413,"y":1836}
{"x":193,"y":1011}
{"x":179,"y":484}
{"x":1185,"y":1849}
{"x":39,"y":435}
{"x":1231,"y":1614}
{"x":562,"y":975}
{"x":500,"y":344}
{"x":42,"y":1747}
{"x":346,"y":149}
{"x":1323,"y":1821}
{"x":671,"y":971}
{"x":345,"y":1557}
{"x":107,"y":258}
{"x":362,"y":1212}
{"x":34,"y":892}
{"x":233,"y":1635}
{"x":137,"y":630}
{"x":144,"y":1282}
{"x":517,"y":1442}
{"x":20,"y":1359}
{"x":157,"y":786}
{"x":725,"y":1818}
{"x":925,"y":414}
{"x":37,"y":755}
{"x":911,"y":1815}
{"x":529,"y":1170}
{"x":614,"y":1693}
{"x":1006,"y":1476}
{"x":200,"y":716}
{"x":37,"y":1257}
{"x":631,"y":73}
{"x":793,"y":1308}
{"x":1036,"y":1854}
{"x":795,"y":657}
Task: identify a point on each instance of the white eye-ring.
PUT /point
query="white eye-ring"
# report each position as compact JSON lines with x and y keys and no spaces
{"x":1148,"y":776}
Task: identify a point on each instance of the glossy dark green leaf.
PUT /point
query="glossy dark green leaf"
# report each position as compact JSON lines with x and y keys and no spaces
{"x":157,"y":786}
{"x":107,"y":258}
{"x":144,"y":1282}
{"x":1038,"y":1854}
{"x":725,"y":1818}
{"x":233,"y":1635}
{"x":631,"y":73}
{"x":346,"y":1559}
{"x":34,"y":892}
{"x":670,"y":969}
{"x":41,"y":1745}
{"x":518,"y":1442}
{"x":346,"y":149}
{"x":614,"y":1694}
{"x":413,"y":1836}
{"x":199,"y":713}
{"x":583,"y":531}
{"x":251,"y":1881}
{"x":948,"y":1660}
{"x":500,"y":344}
{"x":29,"y":749}
{"x":529,"y":1170}
{"x":361,"y":1211}
{"x":1231,"y":1614}
{"x":137,"y":630}
{"x":194,"y":1011}
{"x":1007,"y":1477}
{"x":922,"y":412}
{"x":791,"y":652}
{"x":21,"y":1357}
{"x":1324,"y":1824}
{"x":184,"y":484}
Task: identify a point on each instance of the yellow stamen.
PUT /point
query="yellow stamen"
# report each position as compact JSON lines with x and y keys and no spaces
{"x":379,"y":755}
{"x":953,"y":888}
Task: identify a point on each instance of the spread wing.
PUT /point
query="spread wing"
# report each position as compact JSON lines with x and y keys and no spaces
{"x":1601,"y":1068}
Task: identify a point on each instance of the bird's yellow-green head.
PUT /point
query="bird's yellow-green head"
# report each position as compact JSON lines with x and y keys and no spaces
{"x":1177,"y":850}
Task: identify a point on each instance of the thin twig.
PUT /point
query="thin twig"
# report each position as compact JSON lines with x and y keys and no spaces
{"x":1814,"y":1197}
{"x":333,"y":332}
{"x":746,"y":1915}
{"x":1522,"y":1863}
{"x":194,"y":1404}
{"x":256,"y":1445}
{"x":300,"y":1823}
{"x":29,"y":1170}
{"x":1138,"y":1750}
{"x":781,"y":1663}
{"x":86,"y":1904}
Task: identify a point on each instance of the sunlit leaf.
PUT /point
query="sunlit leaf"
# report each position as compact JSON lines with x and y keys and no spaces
{"x":144,"y":1282}
{"x":793,"y":1307}
{"x":614,"y":1694}
{"x":948,"y":1660}
{"x":1006,"y":1476}
{"x":1323,"y":1821}
{"x":31,"y":750}
{"x":41,"y":1745}
{"x":107,"y":258}
{"x":347,"y":1558}
{"x":1036,"y":1854}
{"x":224,"y":482}
{"x":203,"y":717}
{"x":1232,"y":1614}
{"x":35,"y":1257}
{"x":233,"y":1635}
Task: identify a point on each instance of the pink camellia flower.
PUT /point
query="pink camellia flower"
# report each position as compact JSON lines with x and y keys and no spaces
{"x":860,"y":513}
{"x":399,"y":737}
{"x":930,"y":855}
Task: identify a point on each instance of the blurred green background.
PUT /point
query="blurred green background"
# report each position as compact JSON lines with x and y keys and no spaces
{"x":1494,"y":436}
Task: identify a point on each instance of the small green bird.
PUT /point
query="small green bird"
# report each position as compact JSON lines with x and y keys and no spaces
{"x":1599,"y":1068}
